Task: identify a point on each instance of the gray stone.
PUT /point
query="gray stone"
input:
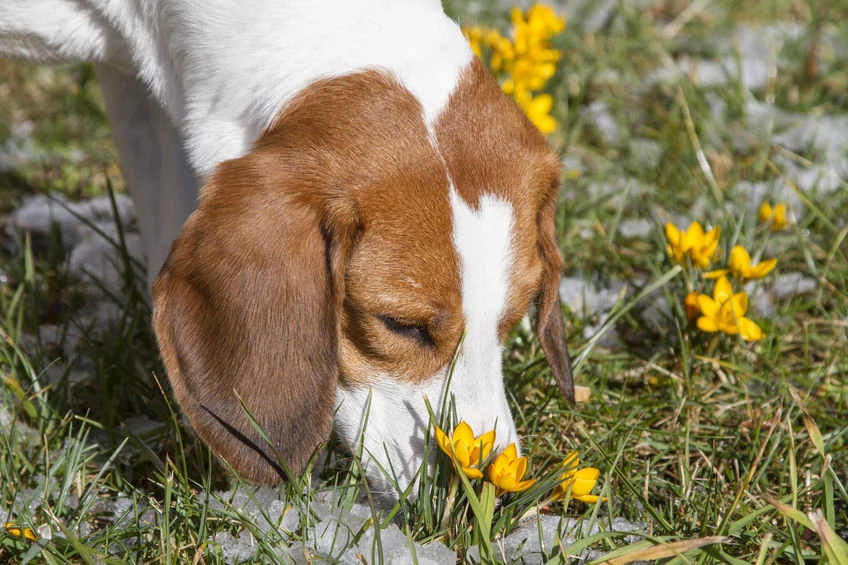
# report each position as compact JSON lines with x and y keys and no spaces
{"x":19,"y":148}
{"x":14,"y":429}
{"x":98,"y":257}
{"x":76,"y":220}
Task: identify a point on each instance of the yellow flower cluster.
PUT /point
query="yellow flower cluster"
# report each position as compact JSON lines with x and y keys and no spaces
{"x":775,"y":217}
{"x":725,"y":310}
{"x":469,"y":453}
{"x":14,"y":530}
{"x":699,"y":247}
{"x":524,"y":62}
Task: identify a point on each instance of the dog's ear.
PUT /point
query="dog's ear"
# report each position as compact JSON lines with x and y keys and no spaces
{"x":549,"y":324}
{"x":246,"y":306}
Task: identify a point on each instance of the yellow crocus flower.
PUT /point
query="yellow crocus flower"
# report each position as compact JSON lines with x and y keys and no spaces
{"x":740,"y":265}
{"x":775,"y":215}
{"x":577,"y":483}
{"x":725,"y":312}
{"x":700,"y":247}
{"x":466,"y":450}
{"x":507,"y":471}
{"x":17,"y":531}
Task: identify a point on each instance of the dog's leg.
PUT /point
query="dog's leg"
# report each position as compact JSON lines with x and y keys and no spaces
{"x":162,"y":185}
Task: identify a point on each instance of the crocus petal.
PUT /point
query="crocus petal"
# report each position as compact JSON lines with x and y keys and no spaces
{"x":707,"y":324}
{"x":14,"y":530}
{"x":571,"y":461}
{"x":712,"y":236}
{"x":570,"y":464}
{"x":523,"y":485}
{"x":443,"y":441}
{"x":760,"y":270}
{"x":584,"y":481}
{"x":462,"y":454}
{"x":472,"y":473}
{"x":765,"y":212}
{"x":779,"y":220}
{"x":722,"y":291}
{"x":749,"y":330}
{"x":507,"y":470}
{"x":487,"y":442}
{"x":463,"y":433}
{"x":740,"y":260}
{"x":704,"y":253}
{"x":588,"y":498}
{"x":739,"y":303}
{"x":715,"y":274}
{"x":693,"y":237}
{"x":726,"y":321}
{"x":672,"y":234}
{"x":776,"y":215}
{"x":690,"y":306}
{"x":708,"y":306}
{"x":520,"y":467}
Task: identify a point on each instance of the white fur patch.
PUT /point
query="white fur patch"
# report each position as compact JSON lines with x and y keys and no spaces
{"x":395,"y":419}
{"x":483,"y":241}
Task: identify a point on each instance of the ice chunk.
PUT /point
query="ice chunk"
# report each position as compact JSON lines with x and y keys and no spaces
{"x":392,"y":543}
{"x":646,"y":151}
{"x":236,"y":550}
{"x":605,"y":123}
{"x":583,"y":299}
{"x":434,"y":553}
{"x":635,"y":228}
{"x":791,"y":284}
{"x":533,"y":540}
{"x":265,"y":506}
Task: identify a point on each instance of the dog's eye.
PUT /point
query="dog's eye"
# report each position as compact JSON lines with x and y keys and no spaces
{"x":418,"y":332}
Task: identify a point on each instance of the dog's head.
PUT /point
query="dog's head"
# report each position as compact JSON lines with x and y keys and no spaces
{"x":331,"y":273}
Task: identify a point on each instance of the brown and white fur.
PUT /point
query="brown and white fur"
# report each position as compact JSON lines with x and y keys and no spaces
{"x":369,"y":197}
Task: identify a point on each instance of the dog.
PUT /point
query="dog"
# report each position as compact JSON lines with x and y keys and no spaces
{"x":372,"y":204}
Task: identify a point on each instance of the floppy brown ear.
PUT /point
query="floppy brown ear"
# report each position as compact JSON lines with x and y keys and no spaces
{"x":549,"y":324}
{"x":246,"y":306}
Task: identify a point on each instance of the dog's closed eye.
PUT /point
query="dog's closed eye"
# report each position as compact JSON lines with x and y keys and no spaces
{"x":416,"y":331}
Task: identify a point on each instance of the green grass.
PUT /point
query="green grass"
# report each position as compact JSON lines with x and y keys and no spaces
{"x":698,"y":436}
